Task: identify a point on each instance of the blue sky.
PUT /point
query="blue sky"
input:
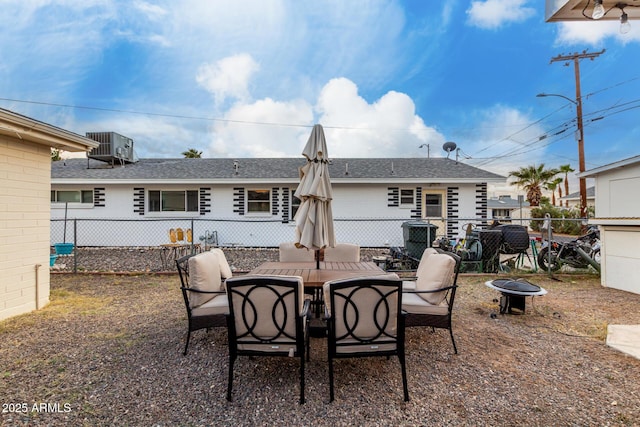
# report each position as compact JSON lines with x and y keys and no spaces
{"x":237,"y":78}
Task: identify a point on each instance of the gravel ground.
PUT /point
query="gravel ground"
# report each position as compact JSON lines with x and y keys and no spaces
{"x":107,"y":351}
{"x":149,"y":259}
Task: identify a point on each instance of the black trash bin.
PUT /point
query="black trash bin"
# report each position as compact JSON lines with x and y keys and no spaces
{"x":418,"y":236}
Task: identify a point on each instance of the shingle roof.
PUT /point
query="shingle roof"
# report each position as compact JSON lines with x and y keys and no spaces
{"x":222,"y":169}
{"x":591,"y":193}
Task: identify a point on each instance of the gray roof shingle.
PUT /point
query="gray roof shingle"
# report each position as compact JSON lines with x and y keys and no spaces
{"x":222,"y":169}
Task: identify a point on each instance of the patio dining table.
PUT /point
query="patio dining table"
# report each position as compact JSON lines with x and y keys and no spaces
{"x":314,"y":277}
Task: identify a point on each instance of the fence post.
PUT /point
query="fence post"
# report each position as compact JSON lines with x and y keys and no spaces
{"x":75,"y":246}
{"x":193,"y":237}
{"x":547,"y":219}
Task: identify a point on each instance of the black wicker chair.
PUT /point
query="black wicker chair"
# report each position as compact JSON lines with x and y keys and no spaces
{"x":268,"y":316}
{"x":364,"y":318}
{"x":431,"y":304}
{"x":204,"y":298}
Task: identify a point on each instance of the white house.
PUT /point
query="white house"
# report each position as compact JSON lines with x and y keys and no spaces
{"x":617,"y":213}
{"x":258,"y":194}
{"x":573,"y":199}
{"x":25,"y":183}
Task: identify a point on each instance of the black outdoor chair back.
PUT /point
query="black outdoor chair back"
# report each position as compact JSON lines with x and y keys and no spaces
{"x":268,"y":316}
{"x":201,"y":286}
{"x":420,"y":312}
{"x":364,"y":318}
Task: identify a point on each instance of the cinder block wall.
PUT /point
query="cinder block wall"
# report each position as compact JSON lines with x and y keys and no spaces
{"x":25,"y":191}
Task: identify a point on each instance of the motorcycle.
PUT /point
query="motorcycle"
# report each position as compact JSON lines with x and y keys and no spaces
{"x":581,"y":252}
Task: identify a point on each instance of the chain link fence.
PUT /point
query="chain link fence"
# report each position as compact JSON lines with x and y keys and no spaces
{"x":115,"y":244}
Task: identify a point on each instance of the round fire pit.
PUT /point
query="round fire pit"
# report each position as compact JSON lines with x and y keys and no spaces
{"x":514,"y":292}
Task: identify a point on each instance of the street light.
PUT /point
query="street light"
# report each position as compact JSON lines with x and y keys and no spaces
{"x":581,"y":165}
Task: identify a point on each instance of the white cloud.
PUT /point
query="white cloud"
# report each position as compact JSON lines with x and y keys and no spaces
{"x":152,"y":11}
{"x":387,"y":127}
{"x":492,"y":14}
{"x":228,"y":77}
{"x":265,"y":128}
{"x":353,"y":126}
{"x":595,"y":32}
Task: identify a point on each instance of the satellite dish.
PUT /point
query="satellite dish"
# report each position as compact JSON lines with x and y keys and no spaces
{"x":449,"y":147}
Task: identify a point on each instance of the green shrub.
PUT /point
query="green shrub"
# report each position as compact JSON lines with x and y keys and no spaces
{"x":563,"y":221}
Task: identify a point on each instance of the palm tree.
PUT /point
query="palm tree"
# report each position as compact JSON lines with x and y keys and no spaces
{"x":553,"y":185}
{"x":566,"y":169}
{"x":532,"y":179}
{"x":192,"y":153}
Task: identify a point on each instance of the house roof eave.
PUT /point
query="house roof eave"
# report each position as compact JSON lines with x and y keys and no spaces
{"x":27,"y":129}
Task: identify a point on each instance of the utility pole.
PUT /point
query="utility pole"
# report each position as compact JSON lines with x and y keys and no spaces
{"x":576,"y":57}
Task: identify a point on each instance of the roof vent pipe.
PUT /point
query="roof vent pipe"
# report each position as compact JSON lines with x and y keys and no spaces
{"x":393,"y":172}
{"x":346,"y":168}
{"x":236,"y":166}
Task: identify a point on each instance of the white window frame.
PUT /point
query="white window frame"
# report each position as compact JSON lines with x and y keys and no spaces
{"x":252,"y":202}
{"x":413,"y":198}
{"x":160,"y":209}
{"x":81,"y":193}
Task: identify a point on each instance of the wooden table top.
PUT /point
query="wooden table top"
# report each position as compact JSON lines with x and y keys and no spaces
{"x":314,"y":277}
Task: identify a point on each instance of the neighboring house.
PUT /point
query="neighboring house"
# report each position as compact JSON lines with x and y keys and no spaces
{"x":617,"y":214}
{"x":259,"y":192}
{"x":573,"y":199}
{"x":25,"y":184}
{"x":504,"y":207}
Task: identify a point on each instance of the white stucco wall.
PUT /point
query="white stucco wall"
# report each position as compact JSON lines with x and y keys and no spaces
{"x":618,"y":217}
{"x":615,"y":191}
{"x":620,"y":262}
{"x":25,"y":171}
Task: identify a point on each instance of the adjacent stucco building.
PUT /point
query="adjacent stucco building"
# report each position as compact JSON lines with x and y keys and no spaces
{"x":25,"y":184}
{"x":617,"y":213}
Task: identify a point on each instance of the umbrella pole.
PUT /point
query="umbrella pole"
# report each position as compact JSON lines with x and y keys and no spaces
{"x":317,"y":259}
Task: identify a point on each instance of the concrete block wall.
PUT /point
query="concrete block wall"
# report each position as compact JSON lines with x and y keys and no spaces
{"x":25,"y":185}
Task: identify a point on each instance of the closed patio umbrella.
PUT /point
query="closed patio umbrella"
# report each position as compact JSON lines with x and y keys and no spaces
{"x":314,"y":219}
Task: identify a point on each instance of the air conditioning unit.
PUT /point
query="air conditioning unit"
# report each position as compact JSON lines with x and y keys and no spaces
{"x":113,"y":148}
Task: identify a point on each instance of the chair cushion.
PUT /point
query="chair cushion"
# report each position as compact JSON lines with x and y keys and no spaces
{"x":342,"y":252}
{"x":414,"y":304}
{"x":424,"y":261}
{"x":408,"y":285}
{"x":289,"y":253}
{"x":326,"y":286}
{"x":438,"y":274}
{"x":204,"y":275}
{"x":219,"y":304}
{"x":225,"y":269}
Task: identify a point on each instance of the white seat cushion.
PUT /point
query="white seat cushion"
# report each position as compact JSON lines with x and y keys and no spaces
{"x":437,"y":274}
{"x":413,"y":304}
{"x":225,"y":269}
{"x":219,"y":304}
{"x":408,"y":285}
{"x":204,"y":275}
